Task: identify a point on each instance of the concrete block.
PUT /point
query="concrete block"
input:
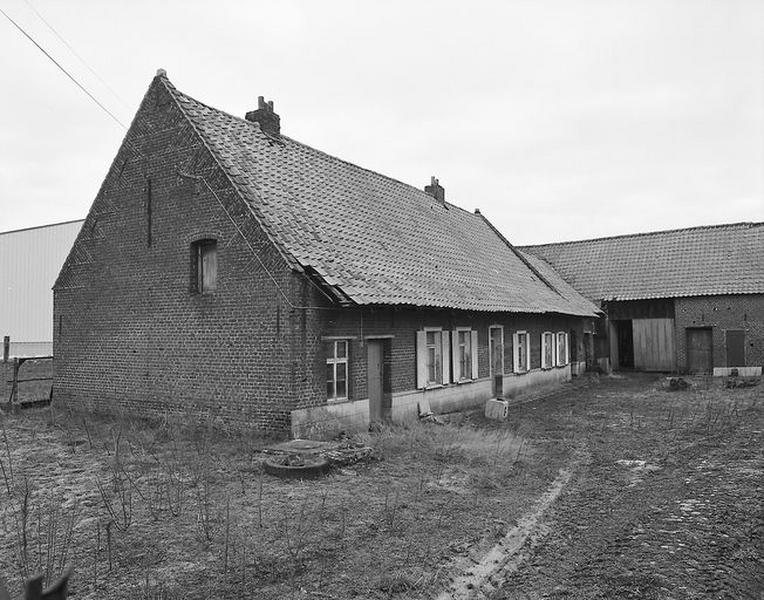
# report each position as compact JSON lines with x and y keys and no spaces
{"x":496,"y":409}
{"x":741,"y":371}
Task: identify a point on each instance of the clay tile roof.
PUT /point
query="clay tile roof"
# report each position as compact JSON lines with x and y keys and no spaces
{"x":376,"y":239}
{"x":699,"y":261}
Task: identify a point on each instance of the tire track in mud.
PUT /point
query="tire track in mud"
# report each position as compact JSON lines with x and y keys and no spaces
{"x":482,"y":577}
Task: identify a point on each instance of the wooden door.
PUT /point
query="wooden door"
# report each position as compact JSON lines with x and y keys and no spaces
{"x":496,"y":351}
{"x":700,"y":357}
{"x":375,"y":378}
{"x":654,"y":344}
{"x":734,"y":340}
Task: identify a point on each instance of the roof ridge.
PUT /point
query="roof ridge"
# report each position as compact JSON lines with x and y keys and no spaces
{"x":42,"y":226}
{"x":313,"y":149}
{"x":748,"y":224}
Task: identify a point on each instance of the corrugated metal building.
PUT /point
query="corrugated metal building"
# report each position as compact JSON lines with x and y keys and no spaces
{"x":30,"y":260}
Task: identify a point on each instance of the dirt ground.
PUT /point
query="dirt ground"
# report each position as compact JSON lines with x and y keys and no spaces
{"x":610,"y":488}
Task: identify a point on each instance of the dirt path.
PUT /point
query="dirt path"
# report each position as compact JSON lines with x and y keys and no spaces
{"x":482,"y":577}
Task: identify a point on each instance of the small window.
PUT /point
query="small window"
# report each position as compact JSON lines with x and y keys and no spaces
{"x":464,"y":348}
{"x":522,"y":357}
{"x":547,"y":350}
{"x":337,"y":370}
{"x":204,"y":259}
{"x":434,"y":357}
{"x":562,"y":348}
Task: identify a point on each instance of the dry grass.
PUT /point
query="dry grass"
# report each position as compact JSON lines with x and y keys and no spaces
{"x":158,"y":510}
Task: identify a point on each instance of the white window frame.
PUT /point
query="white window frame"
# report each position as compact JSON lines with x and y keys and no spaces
{"x":472,"y":342}
{"x":518,"y":368}
{"x":422,"y":357}
{"x":564,"y":360}
{"x":545,"y":344}
{"x":333,"y":359}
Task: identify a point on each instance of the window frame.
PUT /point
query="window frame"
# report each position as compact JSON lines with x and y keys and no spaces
{"x":423,"y":380}
{"x":548,"y":364}
{"x":469,"y":374}
{"x":199,"y":249}
{"x":516,"y":337}
{"x":437,"y":347}
{"x":334,"y":360}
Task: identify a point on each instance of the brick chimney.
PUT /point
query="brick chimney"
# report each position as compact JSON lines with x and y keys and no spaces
{"x":269,"y":121}
{"x":436,"y":190}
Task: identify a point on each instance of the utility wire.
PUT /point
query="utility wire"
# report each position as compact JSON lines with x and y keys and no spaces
{"x":76,"y":54}
{"x":55,"y":62}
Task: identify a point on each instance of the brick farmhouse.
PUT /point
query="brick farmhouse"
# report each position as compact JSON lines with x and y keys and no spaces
{"x":687,"y":300}
{"x":225,"y":269}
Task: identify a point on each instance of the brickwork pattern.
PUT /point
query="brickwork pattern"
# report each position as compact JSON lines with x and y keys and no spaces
{"x":129,"y":332}
{"x":744,"y":312}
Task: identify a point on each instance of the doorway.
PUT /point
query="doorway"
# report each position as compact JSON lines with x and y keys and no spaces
{"x":378,"y":379}
{"x":700,"y":356}
{"x":734,"y":341}
{"x":496,"y":351}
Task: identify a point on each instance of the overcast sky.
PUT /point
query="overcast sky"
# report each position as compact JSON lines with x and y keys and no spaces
{"x":559,"y":120}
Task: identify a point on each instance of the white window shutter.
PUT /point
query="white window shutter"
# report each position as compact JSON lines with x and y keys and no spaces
{"x":421,"y":359}
{"x":446,"y":357}
{"x":474,"y":351}
{"x":543,"y":351}
{"x":455,"y":354}
{"x":516,"y":352}
{"x":567,"y":349}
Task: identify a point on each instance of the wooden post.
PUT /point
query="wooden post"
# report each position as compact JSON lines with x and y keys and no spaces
{"x":15,"y":384}
{"x":6,"y":348}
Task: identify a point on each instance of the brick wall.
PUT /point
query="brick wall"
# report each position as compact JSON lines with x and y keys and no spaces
{"x":744,"y":312}
{"x":403,"y":323}
{"x":130,"y":334}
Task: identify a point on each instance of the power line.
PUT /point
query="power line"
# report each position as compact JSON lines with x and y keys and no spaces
{"x":76,"y":54}
{"x":55,"y":62}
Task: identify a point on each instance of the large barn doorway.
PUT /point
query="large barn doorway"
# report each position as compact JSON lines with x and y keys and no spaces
{"x":700,"y":355}
{"x":625,"y":334}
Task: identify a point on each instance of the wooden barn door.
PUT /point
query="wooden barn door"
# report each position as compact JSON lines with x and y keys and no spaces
{"x":700,"y":357}
{"x":654,"y":344}
{"x":734,"y":340}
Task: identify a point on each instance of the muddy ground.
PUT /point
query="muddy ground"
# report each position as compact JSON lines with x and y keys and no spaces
{"x":611,"y":488}
{"x":668,"y":503}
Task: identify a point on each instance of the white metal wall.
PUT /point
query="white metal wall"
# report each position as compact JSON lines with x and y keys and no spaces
{"x":30,"y":260}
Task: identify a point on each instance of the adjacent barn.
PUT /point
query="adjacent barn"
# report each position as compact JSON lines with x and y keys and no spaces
{"x":30,"y":260}
{"x":688,"y":300}
{"x":225,"y":269}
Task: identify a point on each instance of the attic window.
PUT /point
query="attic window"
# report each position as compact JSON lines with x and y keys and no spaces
{"x":204,"y":266}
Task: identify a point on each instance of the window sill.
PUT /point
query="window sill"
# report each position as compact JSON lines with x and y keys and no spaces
{"x":463,"y":381}
{"x":434,"y":386}
{"x":337,"y":400}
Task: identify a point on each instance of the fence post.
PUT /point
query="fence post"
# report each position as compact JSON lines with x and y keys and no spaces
{"x":6,"y":348}
{"x":15,"y":385}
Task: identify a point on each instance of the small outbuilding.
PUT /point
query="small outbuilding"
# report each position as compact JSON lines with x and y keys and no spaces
{"x":687,"y":300}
